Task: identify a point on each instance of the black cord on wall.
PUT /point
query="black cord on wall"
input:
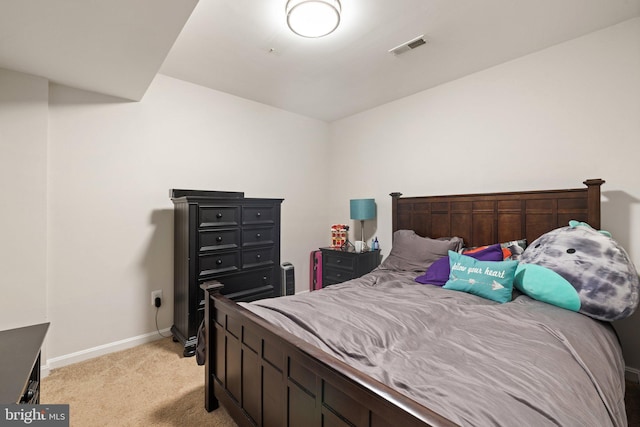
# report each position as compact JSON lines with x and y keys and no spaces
{"x":157,"y":328}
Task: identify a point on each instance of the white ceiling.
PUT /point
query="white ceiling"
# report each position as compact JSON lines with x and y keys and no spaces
{"x":108,"y":46}
{"x":243,"y":47}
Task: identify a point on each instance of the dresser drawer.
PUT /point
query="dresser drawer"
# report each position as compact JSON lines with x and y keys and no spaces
{"x":219,"y":216}
{"x":213,"y":239}
{"x":215,"y":263}
{"x":258,"y":236}
{"x":258,"y":215}
{"x":331,"y":276}
{"x":247,"y":286}
{"x":257,"y":257}
{"x":338,"y":260}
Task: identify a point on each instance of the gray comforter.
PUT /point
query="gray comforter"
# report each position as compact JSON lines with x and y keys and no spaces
{"x":474,"y":361}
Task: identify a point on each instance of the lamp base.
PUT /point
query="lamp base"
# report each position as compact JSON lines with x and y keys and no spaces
{"x":364,"y":242}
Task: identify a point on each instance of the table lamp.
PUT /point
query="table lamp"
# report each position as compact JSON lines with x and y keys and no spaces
{"x":361,"y":210}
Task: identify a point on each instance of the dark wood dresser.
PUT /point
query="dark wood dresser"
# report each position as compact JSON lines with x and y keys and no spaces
{"x":227,"y":237}
{"x":20,"y":364}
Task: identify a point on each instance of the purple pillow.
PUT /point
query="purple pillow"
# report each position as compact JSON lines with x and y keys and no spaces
{"x":438,"y":273}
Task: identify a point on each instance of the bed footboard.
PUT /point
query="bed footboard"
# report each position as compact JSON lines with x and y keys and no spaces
{"x":268,"y":377}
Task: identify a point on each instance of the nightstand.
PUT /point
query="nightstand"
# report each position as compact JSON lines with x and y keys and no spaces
{"x":340,"y":265}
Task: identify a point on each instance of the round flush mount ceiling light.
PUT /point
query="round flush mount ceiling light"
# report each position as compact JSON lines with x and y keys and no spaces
{"x":313,"y":18}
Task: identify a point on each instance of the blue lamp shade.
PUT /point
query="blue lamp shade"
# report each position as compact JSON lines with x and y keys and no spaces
{"x":362,"y":209}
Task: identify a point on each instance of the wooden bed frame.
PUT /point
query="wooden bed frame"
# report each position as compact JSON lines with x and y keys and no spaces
{"x":265,"y":376}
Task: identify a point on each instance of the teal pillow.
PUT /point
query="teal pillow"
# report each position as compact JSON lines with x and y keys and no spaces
{"x":488,"y":279}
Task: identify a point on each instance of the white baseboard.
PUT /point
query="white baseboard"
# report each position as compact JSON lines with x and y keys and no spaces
{"x":632,"y":374}
{"x":101,"y":350}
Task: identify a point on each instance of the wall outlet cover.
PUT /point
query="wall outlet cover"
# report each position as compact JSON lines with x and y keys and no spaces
{"x":155,"y":294}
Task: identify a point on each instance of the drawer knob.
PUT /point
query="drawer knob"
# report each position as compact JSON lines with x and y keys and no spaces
{"x":258,"y":256}
{"x":339,"y":275}
{"x":219,"y":262}
{"x":258,"y":214}
{"x":219,"y":215}
{"x":219,"y":239}
{"x":258,"y":235}
{"x":264,"y":279}
{"x":338,"y":261}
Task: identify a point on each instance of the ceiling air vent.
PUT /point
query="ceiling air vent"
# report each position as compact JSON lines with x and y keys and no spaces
{"x":407,"y":46}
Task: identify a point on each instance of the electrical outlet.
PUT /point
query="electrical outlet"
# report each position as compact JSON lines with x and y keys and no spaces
{"x":154,"y":295}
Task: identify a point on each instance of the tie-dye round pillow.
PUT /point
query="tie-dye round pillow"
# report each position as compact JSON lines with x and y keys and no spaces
{"x":580,"y":269}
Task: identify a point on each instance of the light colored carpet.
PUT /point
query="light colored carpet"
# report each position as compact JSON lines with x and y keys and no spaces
{"x":148,"y":385}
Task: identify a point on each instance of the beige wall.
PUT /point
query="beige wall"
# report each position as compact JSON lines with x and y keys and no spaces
{"x":548,"y":120}
{"x":23,"y":189}
{"x":112,"y":164}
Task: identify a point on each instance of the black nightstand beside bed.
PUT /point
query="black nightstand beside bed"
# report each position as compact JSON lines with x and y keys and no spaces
{"x":340,"y":265}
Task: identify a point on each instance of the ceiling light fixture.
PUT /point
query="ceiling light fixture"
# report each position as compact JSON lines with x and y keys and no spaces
{"x":313,"y":18}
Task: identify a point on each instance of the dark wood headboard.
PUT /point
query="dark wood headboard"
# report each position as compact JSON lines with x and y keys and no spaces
{"x":483,"y":219}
